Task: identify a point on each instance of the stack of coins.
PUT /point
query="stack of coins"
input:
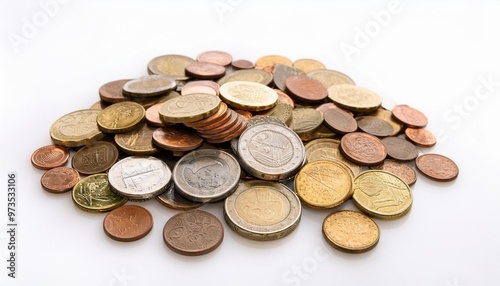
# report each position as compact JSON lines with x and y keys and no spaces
{"x":262,"y":139}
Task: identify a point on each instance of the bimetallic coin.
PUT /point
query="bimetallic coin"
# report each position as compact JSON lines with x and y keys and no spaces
{"x":111,"y":92}
{"x":420,"y":136}
{"x":128,"y":223}
{"x":308,"y":65}
{"x":351,"y":231}
{"x":189,"y":108}
{"x":206,"y":175}
{"x":328,"y":149}
{"x":354,"y":98}
{"x":172,"y":199}
{"x":400,"y":149}
{"x":170,"y":65}
{"x":50,"y":156}
{"x":138,"y":141}
{"x":249,"y":96}
{"x":194,"y":232}
{"x":139,"y":177}
{"x":305,"y":121}
{"x":399,"y":169}
{"x":382,"y":194}
{"x":60,"y":180}
{"x":437,"y":167}
{"x":148,"y":86}
{"x":93,"y":194}
{"x":330,"y":77}
{"x":262,"y":210}
{"x":251,"y":75}
{"x":95,"y":158}
{"x":409,"y":116}
{"x":362,"y":148}
{"x":77,"y":128}
{"x":121,"y":117}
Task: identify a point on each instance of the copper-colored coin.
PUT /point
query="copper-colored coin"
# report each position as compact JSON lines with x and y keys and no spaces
{"x":330,"y":105}
{"x":307,"y":89}
{"x":268,"y":62}
{"x":400,"y":169}
{"x":362,"y":148}
{"x":340,"y":121}
{"x":308,"y":65}
{"x":420,"y":136}
{"x":201,"y":86}
{"x":211,"y":119}
{"x":221,"y":120}
{"x":229,"y":133}
{"x":215,"y":57}
{"x":176,"y":139}
{"x":149,"y":86}
{"x":244,"y":113}
{"x":400,"y":149}
{"x":409,"y":116}
{"x":437,"y":167}
{"x":282,"y":72}
{"x":233,"y":119}
{"x":50,"y":156}
{"x":128,"y":223}
{"x":60,"y":180}
{"x":153,"y":116}
{"x":95,"y":158}
{"x":172,"y":199}
{"x":285,"y":98}
{"x":243,"y":64}
{"x":205,"y":70}
{"x":193,"y":232}
{"x":111,"y":92}
{"x":374,"y":126}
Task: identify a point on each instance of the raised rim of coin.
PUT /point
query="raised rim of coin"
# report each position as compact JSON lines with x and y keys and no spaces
{"x":76,"y":128}
{"x":49,"y":156}
{"x":437,"y":167}
{"x":128,"y":223}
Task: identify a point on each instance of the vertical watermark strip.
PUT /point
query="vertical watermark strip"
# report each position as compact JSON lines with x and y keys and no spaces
{"x":12,"y":204}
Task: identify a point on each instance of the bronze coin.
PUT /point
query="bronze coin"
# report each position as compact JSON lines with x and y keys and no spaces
{"x":111,"y":92}
{"x":172,"y":199}
{"x":50,"y":156}
{"x":420,"y":136}
{"x":362,"y":148}
{"x":230,"y":133}
{"x":60,"y":180}
{"x":437,"y":167}
{"x":194,"y":232}
{"x":339,"y":121}
{"x":95,"y":158}
{"x":400,"y":149}
{"x":400,"y":169}
{"x":242,"y":64}
{"x":176,"y":139}
{"x":285,"y":98}
{"x":215,"y":57}
{"x":128,"y":223}
{"x":201,"y":86}
{"x":330,"y":105}
{"x":216,"y":117}
{"x":282,"y":72}
{"x":233,"y":119}
{"x":244,"y":113}
{"x":223,"y":119}
{"x":153,"y":116}
{"x":304,"y":88}
{"x":409,"y":116}
{"x":374,"y":126}
{"x":205,"y":70}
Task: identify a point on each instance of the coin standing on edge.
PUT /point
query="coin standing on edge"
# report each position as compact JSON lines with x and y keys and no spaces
{"x":93,"y":194}
{"x":60,"y":179}
{"x":128,"y":223}
{"x":50,"y":156}
{"x":437,"y":167}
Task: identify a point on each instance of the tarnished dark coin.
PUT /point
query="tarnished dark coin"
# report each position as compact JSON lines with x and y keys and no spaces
{"x":400,"y":169}
{"x":111,"y":92}
{"x":400,"y":149}
{"x":387,"y":116}
{"x":374,"y":126}
{"x":128,"y":223}
{"x":50,"y":156}
{"x":362,"y":148}
{"x":172,"y":199}
{"x":409,"y":116}
{"x":138,"y":141}
{"x":215,"y":57}
{"x":306,"y":89}
{"x":340,"y":121}
{"x":148,"y":86}
{"x":282,"y":72}
{"x":193,"y":232}
{"x":420,"y":136}
{"x":437,"y":167}
{"x":205,"y":70}
{"x":60,"y":180}
{"x":95,"y":158}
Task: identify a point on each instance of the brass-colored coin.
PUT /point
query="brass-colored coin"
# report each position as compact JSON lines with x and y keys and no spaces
{"x":281,"y":110}
{"x":354,"y":98}
{"x":149,"y":86}
{"x":330,"y":77}
{"x":321,"y":132}
{"x":251,"y":75}
{"x":324,"y":184}
{"x":308,"y":65}
{"x":138,"y":141}
{"x":95,"y":158}
{"x":262,"y":210}
{"x":420,"y":136}
{"x":382,"y":194}
{"x":189,"y":108}
{"x":400,"y":169}
{"x":77,"y":128}
{"x":387,"y":116}
{"x":328,"y":149}
{"x":305,"y":120}
{"x":270,"y":61}
{"x":121,"y":117}
{"x":93,"y":194}
{"x":147,"y":102}
{"x":437,"y":167}
{"x":282,"y":72}
{"x":50,"y":156}
{"x":170,"y":65}
{"x":60,"y":180}
{"x":351,"y":231}
{"x":249,"y":96}
{"x":111,"y":92}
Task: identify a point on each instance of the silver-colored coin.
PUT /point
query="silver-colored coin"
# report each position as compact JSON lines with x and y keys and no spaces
{"x":139,"y":177}
{"x":270,"y":151}
{"x":148,"y":86}
{"x":281,"y":72}
{"x":206,"y":175}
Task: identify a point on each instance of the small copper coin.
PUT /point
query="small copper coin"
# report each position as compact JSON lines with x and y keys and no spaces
{"x":400,"y":169}
{"x":172,"y":199}
{"x":285,"y":98}
{"x":201,"y":86}
{"x":153,"y":116}
{"x":243,"y":64}
{"x":330,"y":105}
{"x":437,"y":167}
{"x":363,"y":148}
{"x":304,"y":88}
{"x":409,"y":116}
{"x":128,"y":223}
{"x":282,"y":72}
{"x":193,"y":232}
{"x":340,"y":121}
{"x":215,"y":57}
{"x":95,"y":158}
{"x":400,"y":149}
{"x":420,"y":136}
{"x":205,"y":70}
{"x":216,"y":117}
{"x":374,"y":126}
{"x":50,"y":156}
{"x":176,"y":139}
{"x":60,"y":180}
{"x":111,"y":92}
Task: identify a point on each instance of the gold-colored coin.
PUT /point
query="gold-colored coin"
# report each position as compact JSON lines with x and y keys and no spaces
{"x":121,"y":117}
{"x":324,"y":184}
{"x":382,"y":194}
{"x":268,"y":62}
{"x":387,"y":116}
{"x":321,"y":132}
{"x":170,"y":65}
{"x":77,"y":128}
{"x":330,"y":77}
{"x":93,"y":194}
{"x":307,"y":65}
{"x":281,"y":110}
{"x":138,"y":141}
{"x":351,"y":231}
{"x":189,"y":108}
{"x":305,"y":121}
{"x":354,"y":98}
{"x":147,"y":102}
{"x":252,"y":75}
{"x":247,"y":95}
{"x":328,"y":149}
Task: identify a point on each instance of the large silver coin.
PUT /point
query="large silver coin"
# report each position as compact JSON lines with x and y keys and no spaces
{"x":139,"y":177}
{"x":206,"y":175}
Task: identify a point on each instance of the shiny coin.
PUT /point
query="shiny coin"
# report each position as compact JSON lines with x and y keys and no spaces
{"x":121,"y":117}
{"x":139,"y":177}
{"x":93,"y":194}
{"x":409,"y":116}
{"x":387,"y":116}
{"x":283,"y":97}
{"x":95,"y":158}
{"x":420,"y":136}
{"x":281,"y":110}
{"x":307,"y":65}
{"x":354,"y":98}
{"x":305,"y":89}
{"x":194,"y":232}
{"x":215,"y":57}
{"x":229,"y":133}
{"x":399,"y":169}
{"x":282,"y":72}
{"x":330,"y":105}
{"x":50,"y":156}
{"x":153,"y":116}
{"x":248,"y":95}
{"x":138,"y":141}
{"x":242,"y":64}
{"x":261,"y":210}
{"x":176,"y":139}
{"x":60,"y":180}
{"x":328,"y":149}
{"x":128,"y":223}
{"x":170,"y":65}
{"x":201,"y":86}
{"x":400,"y":149}
{"x":437,"y":167}
{"x":206,"y":175}
{"x":351,"y":231}
{"x":205,"y":70}
{"x":374,"y":126}
{"x":270,"y":61}
{"x":148,"y":86}
{"x":172,"y":199}
{"x":251,"y":75}
{"x":305,"y":121}
{"x":111,"y":92}
{"x":340,"y":121}
{"x":77,"y":128}
{"x":100,"y":105}
{"x":382,"y":194}
{"x":362,"y":148}
{"x":189,"y":108}
{"x":330,"y":77}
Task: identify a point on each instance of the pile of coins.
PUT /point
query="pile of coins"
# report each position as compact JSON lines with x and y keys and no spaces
{"x":265,"y":139}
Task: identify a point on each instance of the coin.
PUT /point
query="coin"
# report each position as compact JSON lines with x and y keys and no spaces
{"x":305,"y":121}
{"x":229,"y":133}
{"x":242,"y":64}
{"x":215,"y":57}
{"x":205,"y":70}
{"x":307,"y":65}
{"x":206,"y":175}
{"x":283,"y":97}
{"x":400,"y":149}
{"x":93,"y":194}
{"x":328,"y":149}
{"x":189,"y":108}
{"x":128,"y":223}
{"x":305,"y":89}
{"x":281,"y":110}
{"x":387,"y":116}
{"x":201,"y":86}
{"x":95,"y":158}
{"x":330,"y":77}
{"x":374,"y":126}
{"x":176,"y":139}
{"x":111,"y":92}
{"x":50,"y":156}
{"x":251,"y":75}
{"x":172,"y":199}
{"x":139,"y":177}
{"x":138,"y":141}
{"x":262,"y":210}
{"x":60,"y":179}
{"x":382,"y":194}
{"x":362,"y":148}
{"x":148,"y":86}
{"x":100,"y":105}
{"x":147,"y":102}
{"x":270,"y":61}
{"x":121,"y":117}
{"x":77,"y":128}
{"x":153,"y":116}
{"x":340,"y":121}
{"x":213,"y":120}
{"x":409,"y":116}
{"x":282,"y":72}
{"x":399,"y":169}
{"x":194,"y":232}
{"x":330,"y":105}
{"x":420,"y":136}
{"x":170,"y":65}
{"x":437,"y":167}
{"x":324,"y":184}
{"x":351,"y":231}
{"x":354,"y":98}
{"x":249,"y":96}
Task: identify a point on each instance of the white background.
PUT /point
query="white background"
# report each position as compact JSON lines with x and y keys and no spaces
{"x":433,"y":56}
